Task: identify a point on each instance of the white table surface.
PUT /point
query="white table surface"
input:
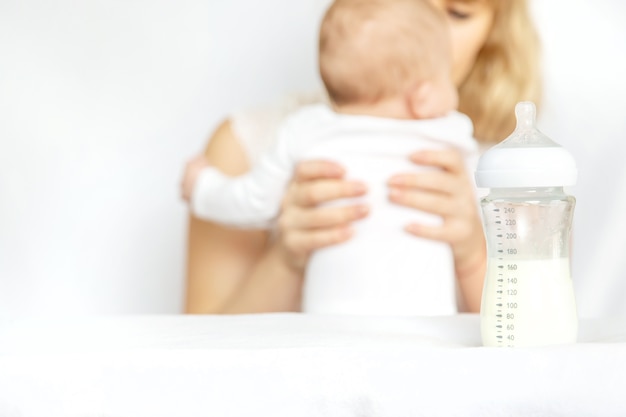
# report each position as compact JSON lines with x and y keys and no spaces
{"x":301,"y":365}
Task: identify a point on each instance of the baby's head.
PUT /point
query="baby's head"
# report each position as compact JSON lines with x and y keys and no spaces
{"x":376,"y":50}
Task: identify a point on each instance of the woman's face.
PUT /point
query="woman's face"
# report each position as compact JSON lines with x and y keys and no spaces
{"x":470,"y":22}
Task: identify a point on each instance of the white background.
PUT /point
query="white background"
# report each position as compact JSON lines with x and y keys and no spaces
{"x":102,"y":101}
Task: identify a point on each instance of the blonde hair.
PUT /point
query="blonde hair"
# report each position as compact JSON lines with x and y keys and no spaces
{"x":506,"y":71}
{"x":373,"y":49}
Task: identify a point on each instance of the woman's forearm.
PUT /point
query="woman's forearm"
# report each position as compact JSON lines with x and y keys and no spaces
{"x":273,"y":285}
{"x":219,"y":260}
{"x":470,"y":274}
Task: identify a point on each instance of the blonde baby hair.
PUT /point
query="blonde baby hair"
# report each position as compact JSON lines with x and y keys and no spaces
{"x":373,"y":49}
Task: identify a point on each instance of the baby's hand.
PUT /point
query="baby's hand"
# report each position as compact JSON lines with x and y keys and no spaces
{"x":192,"y":170}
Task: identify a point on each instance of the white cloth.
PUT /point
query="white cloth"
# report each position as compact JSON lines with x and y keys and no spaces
{"x":383,"y":269}
{"x":255,"y":128}
{"x":301,"y":365}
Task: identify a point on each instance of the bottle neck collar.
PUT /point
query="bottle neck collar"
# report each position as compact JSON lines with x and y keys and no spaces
{"x":530,"y":191}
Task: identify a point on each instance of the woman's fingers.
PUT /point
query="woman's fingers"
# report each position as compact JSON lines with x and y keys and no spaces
{"x":438,"y":192}
{"x":446,"y":176}
{"x":303,"y":225}
{"x":450,"y":160}
{"x":312,"y":193}
{"x":451,"y":232}
{"x":305,"y":242}
{"x":435,"y":181}
{"x":428,"y":232}
{"x":316,"y":170}
{"x":317,"y":182}
{"x":445,"y":191}
{"x":324,"y":217}
{"x":428,"y":201}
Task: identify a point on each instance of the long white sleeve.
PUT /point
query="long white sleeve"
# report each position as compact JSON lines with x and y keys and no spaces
{"x":251,"y":200}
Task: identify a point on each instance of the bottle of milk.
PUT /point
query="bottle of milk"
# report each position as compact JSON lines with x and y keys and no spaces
{"x":528,"y":298}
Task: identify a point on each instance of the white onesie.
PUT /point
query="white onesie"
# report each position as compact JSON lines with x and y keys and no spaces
{"x":382,"y":269}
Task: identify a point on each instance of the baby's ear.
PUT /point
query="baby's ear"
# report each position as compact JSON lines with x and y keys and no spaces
{"x":420,"y":100}
{"x":431,"y":99}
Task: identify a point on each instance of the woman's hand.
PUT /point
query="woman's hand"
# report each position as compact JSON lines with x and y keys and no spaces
{"x":449,"y":193}
{"x":303,"y":226}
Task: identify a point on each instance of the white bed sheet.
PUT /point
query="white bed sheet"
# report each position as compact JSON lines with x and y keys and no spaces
{"x":301,"y":365}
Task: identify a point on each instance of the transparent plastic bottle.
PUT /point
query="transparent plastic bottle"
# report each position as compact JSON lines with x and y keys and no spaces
{"x":528,"y":297}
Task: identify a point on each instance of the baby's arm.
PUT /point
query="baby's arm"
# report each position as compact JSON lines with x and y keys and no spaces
{"x":251,"y":200}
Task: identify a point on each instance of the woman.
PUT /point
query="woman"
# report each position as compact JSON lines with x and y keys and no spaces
{"x":234,"y":271}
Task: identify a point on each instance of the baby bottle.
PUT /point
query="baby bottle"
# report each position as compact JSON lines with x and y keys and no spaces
{"x":528,"y":297}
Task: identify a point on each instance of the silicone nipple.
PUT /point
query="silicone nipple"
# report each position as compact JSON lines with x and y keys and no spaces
{"x":526,"y":132}
{"x":525,"y":113}
{"x":527,"y":158}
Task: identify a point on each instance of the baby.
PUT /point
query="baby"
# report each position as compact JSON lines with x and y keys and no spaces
{"x":386,"y":68}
